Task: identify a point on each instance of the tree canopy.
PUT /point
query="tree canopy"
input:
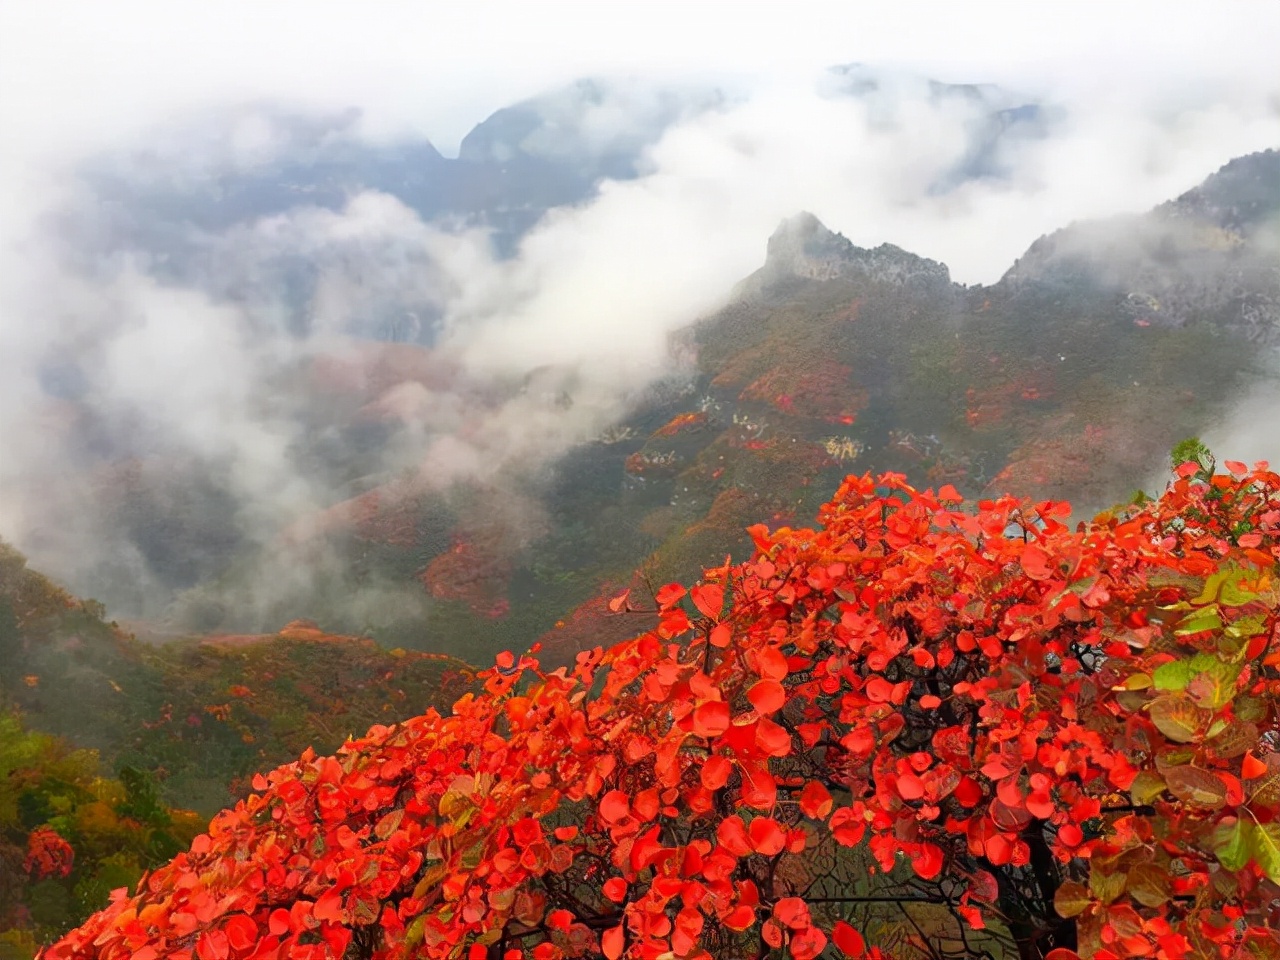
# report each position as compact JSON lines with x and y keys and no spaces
{"x":914,"y":730}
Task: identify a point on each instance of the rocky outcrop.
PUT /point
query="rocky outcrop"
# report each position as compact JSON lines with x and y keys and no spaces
{"x":803,"y":248}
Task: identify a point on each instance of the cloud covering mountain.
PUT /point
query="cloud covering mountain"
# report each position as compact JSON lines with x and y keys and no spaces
{"x":195,"y":312}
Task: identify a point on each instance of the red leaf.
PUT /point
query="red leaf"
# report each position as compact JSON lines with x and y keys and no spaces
{"x":930,"y":702}
{"x":740,"y":918}
{"x":711,"y":719}
{"x":928,"y":861}
{"x":771,"y":932}
{"x":767,"y":696}
{"x":766,"y":836}
{"x":329,"y":907}
{"x":611,"y":943}
{"x":808,"y":943}
{"x":910,"y":787}
{"x":815,"y":800}
{"x":242,"y":932}
{"x":615,"y":888}
{"x":847,"y":827}
{"x":619,"y":603}
{"x":715,"y":772}
{"x":878,"y":690}
{"x":669,"y":595}
{"x":279,"y":922}
{"x":732,"y":834}
{"x":771,"y":664}
{"x":1040,"y":804}
{"x":949,"y":494}
{"x":792,"y":912}
{"x":709,"y":599}
{"x":721,"y":635}
{"x":772,"y":739}
{"x":614,"y":805}
{"x":848,"y":940}
{"x":1036,"y":562}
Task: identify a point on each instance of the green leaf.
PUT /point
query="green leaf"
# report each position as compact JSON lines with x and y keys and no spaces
{"x":1213,"y":683}
{"x":1071,"y":899}
{"x":1231,"y":844}
{"x":1199,"y":621}
{"x":1251,"y":709}
{"x":1233,"y":594}
{"x":1266,"y":848}
{"x":1211,"y":587}
{"x":1174,"y":675}
{"x":1105,"y":886}
{"x":1146,"y":786}
{"x":1250,"y":626}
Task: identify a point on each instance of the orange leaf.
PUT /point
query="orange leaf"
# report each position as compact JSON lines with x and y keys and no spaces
{"x":1252,"y":768}
{"x":619,"y":603}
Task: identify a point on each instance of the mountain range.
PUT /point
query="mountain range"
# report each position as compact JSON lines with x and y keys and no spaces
{"x":1072,"y":376}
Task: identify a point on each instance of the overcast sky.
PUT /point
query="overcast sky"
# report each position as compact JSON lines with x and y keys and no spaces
{"x":83,"y":71}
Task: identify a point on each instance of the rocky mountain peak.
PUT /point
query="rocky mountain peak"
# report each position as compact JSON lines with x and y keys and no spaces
{"x":803,"y":247}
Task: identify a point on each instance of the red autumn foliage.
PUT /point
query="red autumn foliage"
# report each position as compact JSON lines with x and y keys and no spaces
{"x":814,"y":389}
{"x":1063,"y":740}
{"x":681,"y":422}
{"x":476,"y":569}
{"x":48,"y":855}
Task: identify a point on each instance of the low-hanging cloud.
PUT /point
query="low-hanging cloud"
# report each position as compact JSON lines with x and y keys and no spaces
{"x":201,"y":350}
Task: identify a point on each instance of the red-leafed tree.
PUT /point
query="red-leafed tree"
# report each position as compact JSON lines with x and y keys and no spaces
{"x":915,"y":730}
